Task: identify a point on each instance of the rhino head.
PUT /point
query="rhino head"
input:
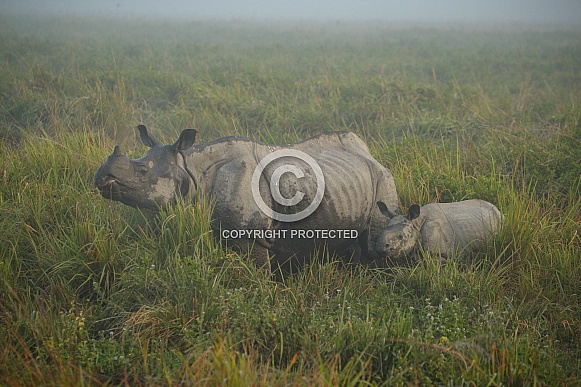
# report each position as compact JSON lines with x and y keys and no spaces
{"x":152,"y":182}
{"x":402,"y":233}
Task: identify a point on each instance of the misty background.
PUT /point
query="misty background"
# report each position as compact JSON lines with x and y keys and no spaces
{"x":556,"y":12}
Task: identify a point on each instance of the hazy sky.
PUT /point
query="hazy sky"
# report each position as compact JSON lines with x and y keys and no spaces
{"x":552,"y":11}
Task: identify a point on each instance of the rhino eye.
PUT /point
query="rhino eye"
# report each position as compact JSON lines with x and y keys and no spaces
{"x":400,"y":236}
{"x":142,"y":168}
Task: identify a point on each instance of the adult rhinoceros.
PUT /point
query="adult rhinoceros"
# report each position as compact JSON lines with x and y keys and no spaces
{"x":284,"y":201}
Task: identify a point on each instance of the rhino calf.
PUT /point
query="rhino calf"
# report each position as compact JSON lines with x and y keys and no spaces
{"x":446,"y":229}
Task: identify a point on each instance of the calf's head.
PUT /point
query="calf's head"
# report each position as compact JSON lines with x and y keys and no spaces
{"x":152,"y":182}
{"x":402,"y":233}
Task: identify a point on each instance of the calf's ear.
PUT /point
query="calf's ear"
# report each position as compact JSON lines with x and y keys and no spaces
{"x":384,"y":210}
{"x":146,"y":137}
{"x":185,"y":140}
{"x":413,"y":212}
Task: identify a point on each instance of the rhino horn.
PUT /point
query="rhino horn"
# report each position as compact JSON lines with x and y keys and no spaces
{"x":117,"y":151}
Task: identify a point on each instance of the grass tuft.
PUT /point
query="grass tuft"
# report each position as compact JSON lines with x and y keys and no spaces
{"x":95,"y":293}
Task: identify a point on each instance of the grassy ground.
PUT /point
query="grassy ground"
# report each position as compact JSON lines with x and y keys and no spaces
{"x":92,"y":294}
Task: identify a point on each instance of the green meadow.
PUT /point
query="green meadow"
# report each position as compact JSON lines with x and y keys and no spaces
{"x":94,"y":293}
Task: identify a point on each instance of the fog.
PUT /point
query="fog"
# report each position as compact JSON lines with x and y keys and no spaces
{"x":560,"y":12}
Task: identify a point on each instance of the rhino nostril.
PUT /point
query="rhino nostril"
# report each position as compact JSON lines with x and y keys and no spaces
{"x":106,"y":180}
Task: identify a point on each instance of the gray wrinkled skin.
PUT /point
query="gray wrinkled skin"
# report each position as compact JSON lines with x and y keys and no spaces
{"x":445,"y":229}
{"x":222,"y":170}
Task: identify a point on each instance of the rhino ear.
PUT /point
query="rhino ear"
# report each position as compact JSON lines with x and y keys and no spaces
{"x":146,"y":137}
{"x":413,"y":212}
{"x":185,"y":140}
{"x":384,"y":210}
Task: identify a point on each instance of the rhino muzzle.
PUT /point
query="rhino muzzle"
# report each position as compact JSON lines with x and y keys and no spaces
{"x":105,"y":179}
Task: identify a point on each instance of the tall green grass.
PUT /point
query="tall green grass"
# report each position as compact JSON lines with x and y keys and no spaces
{"x":93,"y":292}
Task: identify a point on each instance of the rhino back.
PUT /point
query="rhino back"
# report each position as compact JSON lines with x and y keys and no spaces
{"x":334,"y":140}
{"x":459,"y":226}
